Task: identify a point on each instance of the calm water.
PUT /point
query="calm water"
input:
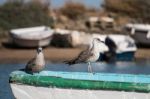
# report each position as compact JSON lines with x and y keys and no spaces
{"x":138,"y":67}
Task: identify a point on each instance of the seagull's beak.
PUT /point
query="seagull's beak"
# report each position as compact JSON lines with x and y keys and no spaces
{"x":102,"y":42}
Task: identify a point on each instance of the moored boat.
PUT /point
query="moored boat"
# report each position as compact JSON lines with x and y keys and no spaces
{"x":81,"y":85}
{"x":125,"y":47}
{"x":121,"y":47}
{"x":31,"y":37}
{"x":140,"y":32}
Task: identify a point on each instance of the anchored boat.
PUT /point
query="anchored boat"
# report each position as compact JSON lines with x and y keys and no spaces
{"x":125,"y":47}
{"x":121,"y":47}
{"x":31,"y":37}
{"x":79,"y":85}
{"x":140,"y":32}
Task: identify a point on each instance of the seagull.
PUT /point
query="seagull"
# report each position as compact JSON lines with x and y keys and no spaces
{"x":37,"y":63}
{"x":91,"y":54}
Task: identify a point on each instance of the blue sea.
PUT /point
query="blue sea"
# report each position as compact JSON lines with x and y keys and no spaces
{"x":135,"y":67}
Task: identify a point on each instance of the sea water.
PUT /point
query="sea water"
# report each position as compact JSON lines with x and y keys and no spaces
{"x":135,"y":67}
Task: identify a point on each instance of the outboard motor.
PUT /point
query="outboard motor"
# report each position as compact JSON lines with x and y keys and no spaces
{"x":110,"y":56}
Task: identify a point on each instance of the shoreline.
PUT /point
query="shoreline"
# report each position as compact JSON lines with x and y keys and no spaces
{"x":11,"y":55}
{"x":50,"y":54}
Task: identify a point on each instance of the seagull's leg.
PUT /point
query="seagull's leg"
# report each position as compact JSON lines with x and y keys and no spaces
{"x":89,"y":67}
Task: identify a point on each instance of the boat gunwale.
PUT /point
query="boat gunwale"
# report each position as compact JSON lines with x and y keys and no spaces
{"x":57,"y":81}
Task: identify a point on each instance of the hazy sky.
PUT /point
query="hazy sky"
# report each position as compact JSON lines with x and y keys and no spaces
{"x":90,"y":3}
{"x":58,"y":3}
{"x":1,"y":1}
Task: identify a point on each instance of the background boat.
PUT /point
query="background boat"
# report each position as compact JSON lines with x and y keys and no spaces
{"x":140,"y":32}
{"x":31,"y":37}
{"x":121,"y":47}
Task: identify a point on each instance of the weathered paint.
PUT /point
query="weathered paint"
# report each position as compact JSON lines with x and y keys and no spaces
{"x":76,"y":80}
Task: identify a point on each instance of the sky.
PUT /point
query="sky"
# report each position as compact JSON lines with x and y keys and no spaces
{"x":89,"y":3}
{"x":2,"y":1}
{"x":59,"y":3}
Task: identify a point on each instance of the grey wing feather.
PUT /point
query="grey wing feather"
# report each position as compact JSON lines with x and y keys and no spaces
{"x":83,"y":56}
{"x":30,"y":64}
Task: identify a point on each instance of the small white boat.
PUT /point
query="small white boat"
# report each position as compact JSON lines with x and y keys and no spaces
{"x":31,"y":37}
{"x":125,"y":47}
{"x":121,"y":47}
{"x":140,"y":32}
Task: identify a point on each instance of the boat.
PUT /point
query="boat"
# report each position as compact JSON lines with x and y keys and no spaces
{"x":140,"y":32}
{"x":121,"y":47}
{"x":78,"y":85}
{"x":107,"y":23}
{"x":31,"y":37}
{"x":100,"y":22}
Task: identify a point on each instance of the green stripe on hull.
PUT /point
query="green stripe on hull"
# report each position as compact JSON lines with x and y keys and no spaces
{"x":51,"y":81}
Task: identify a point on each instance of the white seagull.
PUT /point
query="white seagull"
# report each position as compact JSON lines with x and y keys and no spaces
{"x":91,"y":54}
{"x":36,"y":64}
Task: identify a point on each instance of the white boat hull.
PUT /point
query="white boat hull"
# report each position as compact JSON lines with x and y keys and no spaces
{"x":31,"y":43}
{"x":31,"y":37}
{"x":32,"y":92}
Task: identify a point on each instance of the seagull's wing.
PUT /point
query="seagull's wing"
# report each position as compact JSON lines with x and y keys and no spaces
{"x":30,"y":64}
{"x":82,"y":57}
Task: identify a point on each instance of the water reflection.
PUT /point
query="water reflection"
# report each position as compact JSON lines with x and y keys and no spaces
{"x":138,"y":67}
